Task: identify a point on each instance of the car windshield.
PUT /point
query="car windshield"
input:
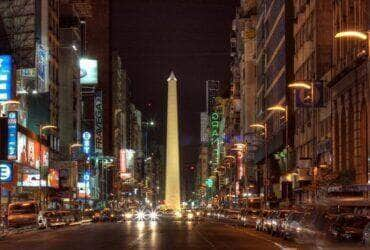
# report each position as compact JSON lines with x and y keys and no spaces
{"x":26,"y":208}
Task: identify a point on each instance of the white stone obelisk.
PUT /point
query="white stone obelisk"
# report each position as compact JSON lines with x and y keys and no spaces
{"x":172,"y":199}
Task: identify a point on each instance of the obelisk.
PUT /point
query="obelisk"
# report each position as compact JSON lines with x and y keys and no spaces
{"x":172,"y":199}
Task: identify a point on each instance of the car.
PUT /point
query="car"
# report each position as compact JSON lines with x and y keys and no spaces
{"x":199,"y":214}
{"x":128,"y":215}
{"x":152,"y":215}
{"x":348,"y":227}
{"x":22,"y":213}
{"x":47,"y":219}
{"x":260,"y":218}
{"x":292,"y":224}
{"x":277,"y":222}
{"x":249,"y":217}
{"x":267,"y":221}
{"x":366,"y":235}
{"x":189,"y":215}
{"x":140,"y":215}
{"x":96,"y":216}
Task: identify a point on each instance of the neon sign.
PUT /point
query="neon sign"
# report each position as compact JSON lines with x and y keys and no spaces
{"x":86,"y":143}
{"x":6,"y":172}
{"x":12,"y":135}
{"x":6,"y":73}
{"x":215,"y":125}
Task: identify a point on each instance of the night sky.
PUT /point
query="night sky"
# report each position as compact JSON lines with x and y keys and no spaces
{"x":155,"y":36}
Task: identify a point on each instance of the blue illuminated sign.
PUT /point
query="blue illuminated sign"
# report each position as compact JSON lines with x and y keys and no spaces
{"x":86,"y":142}
{"x":86,"y":176}
{"x":6,"y":69}
{"x":12,"y":135}
{"x":6,"y":172}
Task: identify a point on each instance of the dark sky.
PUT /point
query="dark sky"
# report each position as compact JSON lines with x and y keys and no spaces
{"x":155,"y":36}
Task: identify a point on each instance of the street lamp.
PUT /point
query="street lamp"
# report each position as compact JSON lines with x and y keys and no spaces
{"x":47,"y":127}
{"x":280,"y":108}
{"x":351,"y":34}
{"x":8,"y":102}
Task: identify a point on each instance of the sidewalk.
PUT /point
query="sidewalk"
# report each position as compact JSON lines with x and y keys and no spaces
{"x":11,"y":231}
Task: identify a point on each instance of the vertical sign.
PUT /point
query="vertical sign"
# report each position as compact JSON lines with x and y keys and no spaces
{"x":214,"y":138}
{"x":41,"y":65}
{"x":12,"y":135}
{"x":122,"y":162}
{"x":203,"y":127}
{"x":98,"y":114}
{"x":6,"y":69}
{"x":86,"y":143}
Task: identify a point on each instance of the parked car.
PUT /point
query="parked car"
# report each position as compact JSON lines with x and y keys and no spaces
{"x":366,"y":235}
{"x":260,"y":219}
{"x":249,"y":217}
{"x":267,"y":222}
{"x":292,"y":224}
{"x":348,"y":227}
{"x":22,"y":213}
{"x":277,"y":221}
{"x":46,"y":219}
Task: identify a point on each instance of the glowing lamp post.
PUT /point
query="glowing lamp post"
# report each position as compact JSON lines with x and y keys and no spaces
{"x":351,"y":34}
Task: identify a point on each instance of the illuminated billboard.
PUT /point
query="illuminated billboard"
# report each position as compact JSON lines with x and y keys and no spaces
{"x":31,"y":180}
{"x":83,"y":189}
{"x":31,"y":152}
{"x":88,"y":71}
{"x":6,"y":73}
{"x":53,"y":178}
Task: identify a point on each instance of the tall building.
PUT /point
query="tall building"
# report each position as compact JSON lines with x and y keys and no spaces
{"x":349,"y":92}
{"x":312,"y":61}
{"x":246,"y":21}
{"x":98,"y":47}
{"x":32,"y":29}
{"x":120,"y":104}
{"x":275,"y":50}
{"x":69,"y":74}
{"x":212,"y":91}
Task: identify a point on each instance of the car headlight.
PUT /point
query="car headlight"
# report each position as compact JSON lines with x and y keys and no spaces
{"x":153,"y":215}
{"x":178,"y":214}
{"x":128,"y":215}
{"x":190,"y":216}
{"x":298,"y":229}
{"x":140,"y":215}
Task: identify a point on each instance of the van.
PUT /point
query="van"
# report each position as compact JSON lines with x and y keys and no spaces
{"x":22,"y":213}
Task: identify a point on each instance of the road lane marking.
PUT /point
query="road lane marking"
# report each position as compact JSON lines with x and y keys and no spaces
{"x":205,"y":239}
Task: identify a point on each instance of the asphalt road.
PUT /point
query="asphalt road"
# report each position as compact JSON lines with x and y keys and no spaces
{"x":147,"y":235}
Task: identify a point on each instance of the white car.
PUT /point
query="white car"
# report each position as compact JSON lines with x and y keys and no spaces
{"x":46,"y":219}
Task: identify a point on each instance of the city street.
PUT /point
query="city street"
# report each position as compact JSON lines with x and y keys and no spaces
{"x":152,"y":235}
{"x":142,"y":235}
